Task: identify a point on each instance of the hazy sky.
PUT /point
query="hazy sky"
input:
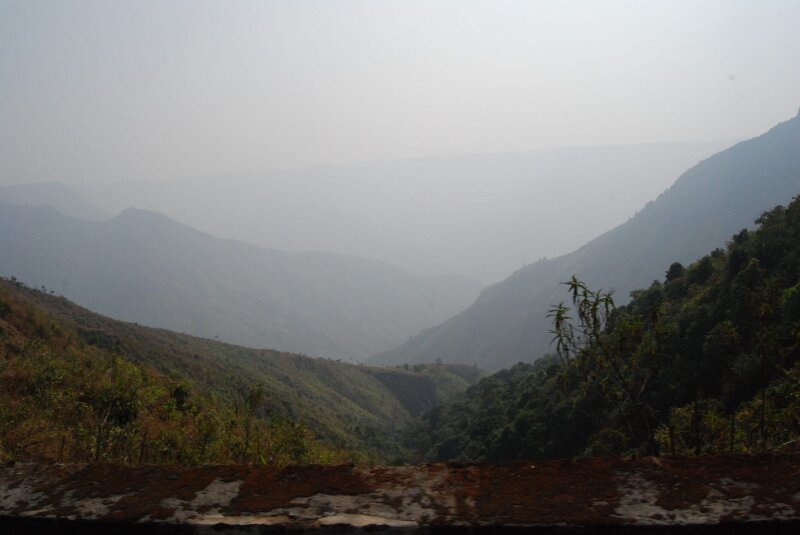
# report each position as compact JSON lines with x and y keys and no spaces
{"x":95,"y":90}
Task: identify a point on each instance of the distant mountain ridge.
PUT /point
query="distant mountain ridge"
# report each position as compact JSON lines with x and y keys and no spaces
{"x":63,"y":198}
{"x":143,"y":267}
{"x":705,"y":206}
{"x":467,"y":214}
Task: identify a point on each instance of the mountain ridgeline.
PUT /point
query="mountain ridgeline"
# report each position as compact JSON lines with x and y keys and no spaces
{"x":706,"y":361}
{"x":53,"y":194}
{"x":107,"y":389}
{"x":469,"y":214}
{"x":508,"y":324}
{"x":144,"y":267}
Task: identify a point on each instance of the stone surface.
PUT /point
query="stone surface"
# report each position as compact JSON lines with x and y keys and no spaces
{"x":608,"y":494}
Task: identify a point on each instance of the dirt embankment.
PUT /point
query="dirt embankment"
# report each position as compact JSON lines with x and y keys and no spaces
{"x":689,"y":494}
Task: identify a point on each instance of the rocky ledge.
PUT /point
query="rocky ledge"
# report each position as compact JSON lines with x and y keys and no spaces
{"x":730,"y":493}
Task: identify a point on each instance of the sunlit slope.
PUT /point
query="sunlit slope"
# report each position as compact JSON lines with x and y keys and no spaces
{"x":358,"y":407}
{"x":144,"y":267}
{"x":66,"y":395}
{"x":707,"y":204}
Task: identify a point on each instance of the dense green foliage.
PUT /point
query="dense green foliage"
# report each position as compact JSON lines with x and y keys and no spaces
{"x":354,"y":408}
{"x":508,"y":324}
{"x":707,"y":360}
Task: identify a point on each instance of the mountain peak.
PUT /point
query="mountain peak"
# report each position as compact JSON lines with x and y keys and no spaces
{"x":143,"y":222}
{"x":139,"y":215}
{"x":710,"y":202}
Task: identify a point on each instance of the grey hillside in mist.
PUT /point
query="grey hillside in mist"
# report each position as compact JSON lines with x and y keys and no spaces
{"x":475,"y":215}
{"x":62,"y":198}
{"x":701,"y":211}
{"x":144,"y":267}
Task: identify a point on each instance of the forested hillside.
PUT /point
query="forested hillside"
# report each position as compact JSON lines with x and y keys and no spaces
{"x":707,"y":360}
{"x":508,"y":324}
{"x":69,"y":397}
{"x":144,"y":267}
{"x":52,"y":344}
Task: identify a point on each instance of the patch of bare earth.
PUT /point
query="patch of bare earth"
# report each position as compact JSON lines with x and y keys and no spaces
{"x":608,"y":493}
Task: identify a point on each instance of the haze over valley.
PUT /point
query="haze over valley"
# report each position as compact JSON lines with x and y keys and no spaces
{"x":141,"y":266}
{"x":356,"y":233}
{"x":480,"y":216}
{"x":724,"y":193}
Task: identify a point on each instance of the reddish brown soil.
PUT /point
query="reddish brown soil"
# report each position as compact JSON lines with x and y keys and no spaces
{"x":581,"y":492}
{"x":566,"y":491}
{"x":266,"y":489}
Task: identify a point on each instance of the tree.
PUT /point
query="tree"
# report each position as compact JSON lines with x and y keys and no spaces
{"x":613,"y":353}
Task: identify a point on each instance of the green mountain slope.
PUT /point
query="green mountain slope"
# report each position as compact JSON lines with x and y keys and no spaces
{"x":508,"y":324}
{"x":144,"y":267}
{"x":706,"y":361}
{"x":352,"y":407}
{"x":65,"y":398}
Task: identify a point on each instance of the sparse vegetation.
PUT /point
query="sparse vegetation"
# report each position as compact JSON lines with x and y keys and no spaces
{"x":67,"y":400}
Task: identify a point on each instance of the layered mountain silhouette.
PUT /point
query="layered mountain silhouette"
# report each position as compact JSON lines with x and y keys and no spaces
{"x":477,"y":215}
{"x":55,"y":194}
{"x":705,"y":206}
{"x":144,"y":267}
